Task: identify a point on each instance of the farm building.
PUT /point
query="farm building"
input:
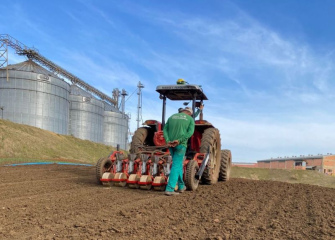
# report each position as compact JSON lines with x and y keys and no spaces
{"x":320,"y":163}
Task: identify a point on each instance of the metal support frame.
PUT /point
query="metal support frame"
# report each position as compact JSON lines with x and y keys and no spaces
{"x":4,"y":56}
{"x":116,"y":95}
{"x":193,"y":105}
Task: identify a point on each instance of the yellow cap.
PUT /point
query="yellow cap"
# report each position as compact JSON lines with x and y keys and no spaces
{"x":181,"y":81}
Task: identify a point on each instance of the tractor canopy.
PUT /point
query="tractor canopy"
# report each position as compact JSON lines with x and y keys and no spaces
{"x":182,"y":92}
{"x":188,"y":92}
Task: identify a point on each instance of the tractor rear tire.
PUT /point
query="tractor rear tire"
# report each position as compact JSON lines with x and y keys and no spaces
{"x":225,"y":165}
{"x":191,"y":182}
{"x":103,"y":165}
{"x":138,"y":139}
{"x":211,"y":141}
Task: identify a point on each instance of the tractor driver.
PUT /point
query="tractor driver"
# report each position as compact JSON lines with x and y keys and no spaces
{"x":177,"y":130}
{"x":196,"y":114}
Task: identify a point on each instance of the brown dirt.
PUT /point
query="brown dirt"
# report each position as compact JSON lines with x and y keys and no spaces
{"x":64,"y":202}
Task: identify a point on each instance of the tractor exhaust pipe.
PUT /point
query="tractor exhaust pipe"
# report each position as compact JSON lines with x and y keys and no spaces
{"x":164,"y":110}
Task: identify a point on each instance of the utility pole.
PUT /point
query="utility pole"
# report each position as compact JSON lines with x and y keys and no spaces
{"x":139,"y":105}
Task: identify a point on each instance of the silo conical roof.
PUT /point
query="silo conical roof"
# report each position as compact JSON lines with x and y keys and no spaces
{"x":29,"y":66}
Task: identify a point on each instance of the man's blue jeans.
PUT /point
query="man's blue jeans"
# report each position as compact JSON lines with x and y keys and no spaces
{"x":176,"y":174}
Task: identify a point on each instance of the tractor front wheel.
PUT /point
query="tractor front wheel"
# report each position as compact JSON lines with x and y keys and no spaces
{"x":103,"y":165}
{"x":190,"y":181}
{"x":138,"y":140}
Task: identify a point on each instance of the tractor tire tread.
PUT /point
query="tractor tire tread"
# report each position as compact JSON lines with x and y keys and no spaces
{"x":138,"y":139}
{"x":100,"y":166}
{"x":208,"y":140}
{"x":225,"y":165}
{"x":190,"y":182}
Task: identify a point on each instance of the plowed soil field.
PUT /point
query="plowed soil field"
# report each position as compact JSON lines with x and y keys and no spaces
{"x":65,"y":202}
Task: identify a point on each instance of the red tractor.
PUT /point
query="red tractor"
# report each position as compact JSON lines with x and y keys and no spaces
{"x":149,"y":162}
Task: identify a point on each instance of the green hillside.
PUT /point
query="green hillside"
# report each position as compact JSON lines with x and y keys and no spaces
{"x":282,"y":175}
{"x":23,"y":143}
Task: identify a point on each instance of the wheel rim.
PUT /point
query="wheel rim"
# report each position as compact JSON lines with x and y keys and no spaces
{"x":106,"y":167}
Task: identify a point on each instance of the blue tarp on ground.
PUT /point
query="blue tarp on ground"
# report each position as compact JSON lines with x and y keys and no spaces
{"x":45,"y":163}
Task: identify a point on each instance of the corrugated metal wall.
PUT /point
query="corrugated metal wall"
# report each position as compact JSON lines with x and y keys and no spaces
{"x":86,"y":118}
{"x":116,"y":129}
{"x":35,"y":97}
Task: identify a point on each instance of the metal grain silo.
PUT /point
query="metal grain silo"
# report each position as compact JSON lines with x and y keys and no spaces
{"x":116,"y":129}
{"x":31,"y":95}
{"x":86,"y":115}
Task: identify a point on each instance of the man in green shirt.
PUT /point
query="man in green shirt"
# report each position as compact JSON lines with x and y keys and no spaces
{"x":177,"y":130}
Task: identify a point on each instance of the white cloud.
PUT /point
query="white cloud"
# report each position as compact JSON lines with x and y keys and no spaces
{"x":243,"y":45}
{"x":251,"y":141}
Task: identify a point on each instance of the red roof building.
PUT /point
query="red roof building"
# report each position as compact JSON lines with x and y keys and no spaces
{"x":321,"y":163}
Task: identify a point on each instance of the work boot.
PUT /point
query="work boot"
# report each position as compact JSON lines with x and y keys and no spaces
{"x":171,"y":193}
{"x":182,"y":190}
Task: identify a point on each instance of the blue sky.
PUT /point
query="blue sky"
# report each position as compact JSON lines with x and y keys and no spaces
{"x":267,"y":67}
